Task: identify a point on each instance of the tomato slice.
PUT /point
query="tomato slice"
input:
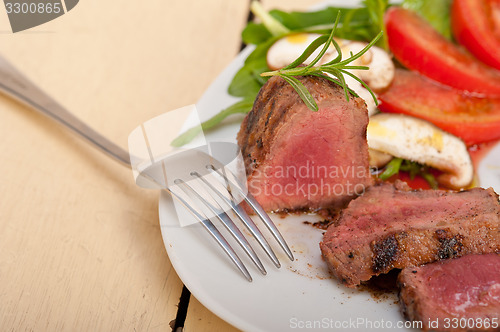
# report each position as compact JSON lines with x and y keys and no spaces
{"x":471,"y":118}
{"x":476,"y":26}
{"x":419,"y":47}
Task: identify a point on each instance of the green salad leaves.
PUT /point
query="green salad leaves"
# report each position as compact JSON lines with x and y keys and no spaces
{"x":436,"y":12}
{"x":362,"y":24}
{"x":413,"y":169}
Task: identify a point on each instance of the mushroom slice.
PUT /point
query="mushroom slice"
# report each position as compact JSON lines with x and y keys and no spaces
{"x":381,"y":68}
{"x":379,"y":159}
{"x":420,"y":141}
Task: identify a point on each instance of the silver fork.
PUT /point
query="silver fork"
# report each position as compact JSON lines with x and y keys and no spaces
{"x":179,"y":185}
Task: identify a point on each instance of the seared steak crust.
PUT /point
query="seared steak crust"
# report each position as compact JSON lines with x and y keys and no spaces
{"x":453,"y":295}
{"x":275,"y":104}
{"x":282,"y":133}
{"x":391,"y":226}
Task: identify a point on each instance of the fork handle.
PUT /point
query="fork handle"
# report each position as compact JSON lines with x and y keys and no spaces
{"x":16,"y":85}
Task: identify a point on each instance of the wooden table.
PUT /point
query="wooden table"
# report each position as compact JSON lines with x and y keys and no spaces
{"x":80,"y":243}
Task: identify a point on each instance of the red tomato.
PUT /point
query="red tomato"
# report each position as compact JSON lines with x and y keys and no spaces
{"x":473,"y":119}
{"x":475,"y":26}
{"x":419,"y":47}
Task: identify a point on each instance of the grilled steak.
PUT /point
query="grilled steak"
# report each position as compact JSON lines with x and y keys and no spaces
{"x":299,"y":159}
{"x":392,"y":226}
{"x":453,"y":295}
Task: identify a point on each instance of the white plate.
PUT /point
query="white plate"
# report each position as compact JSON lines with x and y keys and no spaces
{"x":298,"y":296}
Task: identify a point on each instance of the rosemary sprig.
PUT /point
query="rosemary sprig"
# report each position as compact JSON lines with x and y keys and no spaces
{"x":336,"y":67}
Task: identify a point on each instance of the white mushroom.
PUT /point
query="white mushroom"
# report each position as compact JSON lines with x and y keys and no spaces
{"x":381,"y":72}
{"x":379,"y":159}
{"x":420,"y":141}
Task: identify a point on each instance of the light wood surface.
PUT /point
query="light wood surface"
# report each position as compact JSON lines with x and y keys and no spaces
{"x":80,"y":243}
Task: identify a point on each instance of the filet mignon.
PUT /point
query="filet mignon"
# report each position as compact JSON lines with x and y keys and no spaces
{"x":453,"y":295}
{"x":392,"y":226}
{"x":298,"y":159}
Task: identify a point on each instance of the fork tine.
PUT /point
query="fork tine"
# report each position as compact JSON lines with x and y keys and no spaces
{"x":241,"y":213}
{"x":214,"y":232}
{"x":245,"y":218}
{"x":268,"y":222}
{"x":228,"y":223}
{"x":259,"y":211}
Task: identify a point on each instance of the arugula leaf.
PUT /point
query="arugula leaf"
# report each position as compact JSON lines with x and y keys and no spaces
{"x":431,"y":180}
{"x":260,"y":51}
{"x":301,"y":20}
{"x":376,"y":10}
{"x":391,"y":169}
{"x":243,"y":106}
{"x":247,"y":81}
{"x":413,"y":168}
{"x":436,"y":12}
{"x":354,"y":23}
{"x":255,"y":33}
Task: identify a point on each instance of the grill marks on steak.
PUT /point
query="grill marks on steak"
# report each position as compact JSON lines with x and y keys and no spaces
{"x":391,"y":226}
{"x":282,"y":140}
{"x":464,"y":288}
{"x":385,"y":252}
{"x":444,"y":243}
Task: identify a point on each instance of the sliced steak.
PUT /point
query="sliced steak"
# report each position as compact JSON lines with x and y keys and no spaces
{"x":453,"y":295}
{"x":392,"y":226}
{"x":299,"y":159}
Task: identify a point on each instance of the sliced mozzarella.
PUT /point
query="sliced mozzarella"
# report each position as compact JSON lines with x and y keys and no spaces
{"x":420,"y":141}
